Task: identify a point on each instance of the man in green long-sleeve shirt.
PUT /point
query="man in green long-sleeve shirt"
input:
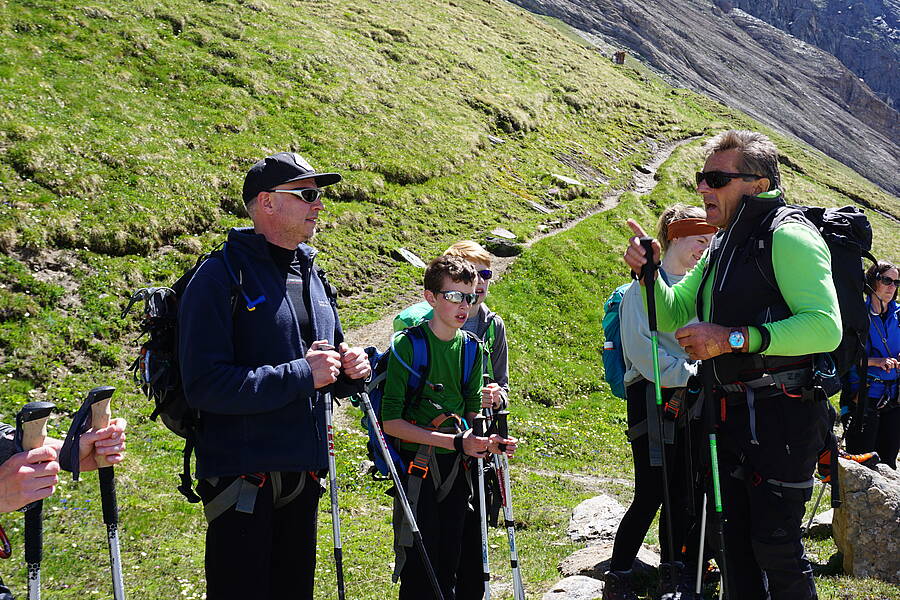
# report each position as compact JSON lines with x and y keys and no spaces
{"x":759,"y":337}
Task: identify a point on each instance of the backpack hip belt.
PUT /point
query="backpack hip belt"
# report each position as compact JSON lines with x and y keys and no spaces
{"x":241,"y":493}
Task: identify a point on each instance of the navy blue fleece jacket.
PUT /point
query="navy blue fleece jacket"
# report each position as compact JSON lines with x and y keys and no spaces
{"x":244,"y":370}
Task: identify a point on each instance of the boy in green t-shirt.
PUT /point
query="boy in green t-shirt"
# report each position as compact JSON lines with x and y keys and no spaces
{"x":435,"y":431}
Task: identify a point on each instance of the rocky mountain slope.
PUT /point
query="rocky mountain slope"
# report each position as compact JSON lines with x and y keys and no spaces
{"x":748,"y":64}
{"x":863,"y":34}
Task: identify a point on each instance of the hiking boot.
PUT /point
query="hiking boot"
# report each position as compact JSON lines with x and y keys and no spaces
{"x":617,"y":586}
{"x":676,"y":582}
{"x":868,"y":459}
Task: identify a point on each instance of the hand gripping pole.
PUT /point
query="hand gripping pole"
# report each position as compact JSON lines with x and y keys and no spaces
{"x":31,"y":431}
{"x":648,"y":274}
{"x":98,"y":399}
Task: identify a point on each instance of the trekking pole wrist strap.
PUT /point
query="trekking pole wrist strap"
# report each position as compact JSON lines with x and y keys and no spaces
{"x":458,"y":441}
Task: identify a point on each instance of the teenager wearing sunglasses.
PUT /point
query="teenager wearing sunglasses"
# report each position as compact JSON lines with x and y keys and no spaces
{"x":259,"y":339}
{"x":758,"y":338}
{"x":489,"y":327}
{"x":879,"y":430}
{"x":436,"y":430}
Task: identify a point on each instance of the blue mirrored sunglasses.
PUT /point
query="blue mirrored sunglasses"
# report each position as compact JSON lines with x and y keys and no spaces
{"x":485,"y":274}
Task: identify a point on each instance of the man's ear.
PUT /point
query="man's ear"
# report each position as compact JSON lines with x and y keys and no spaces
{"x":430,"y":298}
{"x":264,"y":200}
{"x":762,"y":185}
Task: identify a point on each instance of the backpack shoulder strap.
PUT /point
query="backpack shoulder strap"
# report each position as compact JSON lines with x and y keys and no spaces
{"x":468,"y":356}
{"x":760,"y":249}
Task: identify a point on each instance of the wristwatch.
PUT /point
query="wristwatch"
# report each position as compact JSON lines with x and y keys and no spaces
{"x":736,"y":340}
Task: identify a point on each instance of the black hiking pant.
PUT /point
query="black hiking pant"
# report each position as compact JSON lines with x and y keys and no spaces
{"x":880,"y":432}
{"x":441,"y":525}
{"x":764,"y":552}
{"x":648,"y":491}
{"x":470,"y":575}
{"x":269,"y":554}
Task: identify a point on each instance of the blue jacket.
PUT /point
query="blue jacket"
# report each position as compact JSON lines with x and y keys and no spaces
{"x":882,"y":382}
{"x":244,"y":370}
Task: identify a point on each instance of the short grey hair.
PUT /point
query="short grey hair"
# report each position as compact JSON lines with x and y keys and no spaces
{"x":758,"y":153}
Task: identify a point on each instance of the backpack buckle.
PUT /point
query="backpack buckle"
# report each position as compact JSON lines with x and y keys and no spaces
{"x":413,"y":465}
{"x":257,"y":479}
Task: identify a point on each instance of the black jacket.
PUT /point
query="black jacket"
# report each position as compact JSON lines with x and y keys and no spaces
{"x":244,"y":370}
{"x":741,"y":293}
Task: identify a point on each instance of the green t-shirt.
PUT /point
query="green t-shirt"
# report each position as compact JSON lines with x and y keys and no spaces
{"x":802,"y":265}
{"x":445,"y":367}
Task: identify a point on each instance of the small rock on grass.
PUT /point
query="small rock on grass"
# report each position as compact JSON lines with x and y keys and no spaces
{"x":576,"y":588}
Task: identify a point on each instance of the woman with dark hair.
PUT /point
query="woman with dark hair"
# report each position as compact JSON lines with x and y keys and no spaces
{"x":880,"y":427}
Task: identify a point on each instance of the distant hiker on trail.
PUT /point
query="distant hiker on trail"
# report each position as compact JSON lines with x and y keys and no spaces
{"x":684,"y":236}
{"x":880,"y":429}
{"x":255,"y":366}
{"x":489,"y":327}
{"x":32,"y":475}
{"x":759,"y":338}
{"x":435,"y":426}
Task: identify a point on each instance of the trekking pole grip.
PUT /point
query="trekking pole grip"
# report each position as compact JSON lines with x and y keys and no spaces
{"x":500,"y":418}
{"x":100,"y":415}
{"x":648,"y":275}
{"x":34,"y":426}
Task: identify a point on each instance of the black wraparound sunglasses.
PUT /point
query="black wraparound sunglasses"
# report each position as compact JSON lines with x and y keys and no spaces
{"x":718,"y":179}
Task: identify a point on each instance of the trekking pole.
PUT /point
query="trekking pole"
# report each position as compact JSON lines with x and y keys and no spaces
{"x":648,"y":274}
{"x":479,"y":430}
{"x":700,"y":560}
{"x":501,"y":464}
{"x":401,"y":493}
{"x":710,"y":424}
{"x":31,"y":430}
{"x":98,"y":399}
{"x":332,"y":488}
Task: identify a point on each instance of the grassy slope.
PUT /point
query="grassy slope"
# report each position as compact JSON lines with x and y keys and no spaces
{"x":125,"y":131}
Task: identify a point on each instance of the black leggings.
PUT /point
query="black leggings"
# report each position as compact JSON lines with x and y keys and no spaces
{"x":880,"y":432}
{"x":648,"y":492}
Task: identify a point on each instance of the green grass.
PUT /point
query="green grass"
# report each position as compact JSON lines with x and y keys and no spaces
{"x":125,"y":131}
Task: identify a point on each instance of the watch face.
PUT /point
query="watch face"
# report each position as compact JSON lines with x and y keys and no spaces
{"x":736,"y":339}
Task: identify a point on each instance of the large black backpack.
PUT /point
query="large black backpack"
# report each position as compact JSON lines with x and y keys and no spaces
{"x":848,"y":234}
{"x":156,"y":369}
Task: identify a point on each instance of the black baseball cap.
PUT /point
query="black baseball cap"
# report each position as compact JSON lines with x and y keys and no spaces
{"x":280,"y":168}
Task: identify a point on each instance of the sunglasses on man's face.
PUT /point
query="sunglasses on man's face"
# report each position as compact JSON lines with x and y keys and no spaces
{"x":718,"y":179}
{"x":457,"y":297}
{"x":485,"y":274}
{"x":888,"y":281}
{"x":308,"y":195}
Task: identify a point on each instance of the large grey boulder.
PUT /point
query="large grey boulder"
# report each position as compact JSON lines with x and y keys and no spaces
{"x":596,"y":519}
{"x":867,"y":525}
{"x":575,"y":588}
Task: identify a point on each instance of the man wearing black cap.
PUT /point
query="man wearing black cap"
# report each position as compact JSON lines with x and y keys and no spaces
{"x":259,"y":340}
